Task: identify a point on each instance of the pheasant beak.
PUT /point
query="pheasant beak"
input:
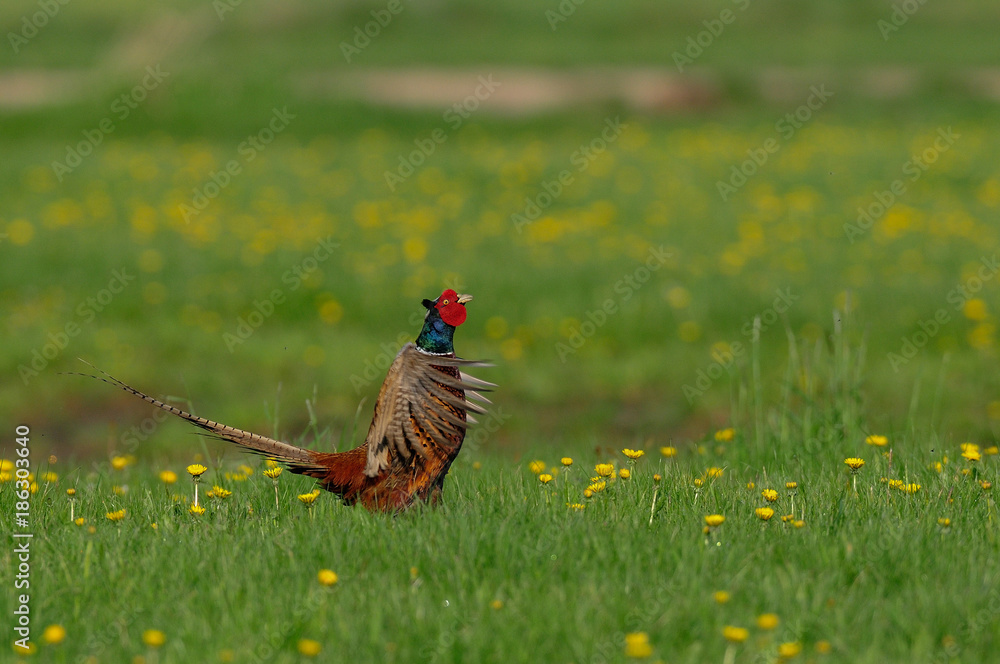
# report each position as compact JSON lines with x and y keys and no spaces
{"x":462,"y":299}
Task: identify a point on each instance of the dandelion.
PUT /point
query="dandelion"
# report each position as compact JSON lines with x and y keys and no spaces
{"x":992,"y":450}
{"x":789,"y":649}
{"x":566,"y":461}
{"x":80,"y":521}
{"x":725,"y":435}
{"x":604,"y":469}
{"x":969,"y":447}
{"x":799,"y":524}
{"x":273,"y":473}
{"x":49,"y":477}
{"x":764,"y":513}
{"x":196,"y":510}
{"x":751,"y":486}
{"x":154,"y":638}
{"x":786,"y":518}
{"x":720,"y":596}
{"x":221,"y":493}
{"x":877,"y":440}
{"x":714,"y":473}
{"x":115,"y":516}
{"x":768,"y":621}
{"x":496,"y":605}
{"x":735,"y":634}
{"x":791,"y":486}
{"x":196,"y":470}
{"x":54,"y":634}
{"x":944,"y":522}
{"x":698,"y":482}
{"x":544,"y":478}
{"x":910,"y":488}
{"x":327,"y":577}
{"x":972,"y":455}
{"x":168,"y":477}
{"x":308,"y":499}
{"x":309,"y":647}
{"x":245,"y":469}
{"x":633,"y":455}
{"x":637,"y":645}
{"x":657,"y":477}
{"x":770,"y":495}
{"x":119,"y":462}
{"x":668,"y":451}
{"x":714,"y":520}
{"x":537,"y":467}
{"x":986,"y":485}
{"x":624,"y":473}
{"x":71,"y":493}
{"x":597,"y":487}
{"x":854,"y":463}
{"x":577,"y":506}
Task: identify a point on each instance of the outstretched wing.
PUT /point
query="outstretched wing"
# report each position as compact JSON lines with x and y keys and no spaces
{"x":421,"y":405}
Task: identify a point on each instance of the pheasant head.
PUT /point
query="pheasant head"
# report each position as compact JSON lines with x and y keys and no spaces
{"x":443,"y":316}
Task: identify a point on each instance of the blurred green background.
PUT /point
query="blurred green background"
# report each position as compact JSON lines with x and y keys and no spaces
{"x":221,"y":71}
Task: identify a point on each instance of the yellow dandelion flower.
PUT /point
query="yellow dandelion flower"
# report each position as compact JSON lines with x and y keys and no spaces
{"x":71,"y":492}
{"x":764,"y":513}
{"x":986,"y":485}
{"x":895,"y":484}
{"x":566,"y":461}
{"x":220,"y":492}
{"x":698,"y":482}
{"x":196,"y":470}
{"x":49,"y":477}
{"x":791,"y":486}
{"x":271,"y":463}
{"x":327,"y":577}
{"x":725,"y":435}
{"x":197,"y":510}
{"x":537,"y":467}
{"x":79,"y":521}
{"x":735,"y":634}
{"x":544,"y":478}
{"x":770,"y":495}
{"x":967,"y":447}
{"x":578,"y":506}
{"x":119,"y":462}
{"x":168,"y":477}
{"x":309,"y":647}
{"x":992,"y":450}
{"x":637,"y":645}
{"x":799,"y":524}
{"x":937,"y":467}
{"x":668,"y":451}
{"x":597,"y":487}
{"x":720,"y":596}
{"x":587,"y":493}
{"x":624,"y":473}
{"x":877,"y":440}
{"x":789,"y":649}
{"x":308,"y":498}
{"x":54,"y":634}
{"x":30,"y":649}
{"x":245,"y":469}
{"x":154,"y":638}
{"x":972,"y":455}
{"x":119,"y":490}
{"x":944,"y":522}
{"x":604,"y":469}
{"x":657,"y":477}
{"x":115,"y":516}
{"x":274,"y":472}
{"x":910,"y":488}
{"x":768,"y":621}
{"x":751,"y":486}
{"x":714,"y":473}
{"x":854,"y":463}
{"x":496,"y":605}
{"x":787,"y":517}
{"x":632,"y":454}
{"x":714,"y":520}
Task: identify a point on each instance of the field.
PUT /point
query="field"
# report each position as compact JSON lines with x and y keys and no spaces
{"x":752,"y":266}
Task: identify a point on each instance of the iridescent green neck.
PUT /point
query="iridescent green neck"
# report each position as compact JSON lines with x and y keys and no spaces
{"x":436,"y":335}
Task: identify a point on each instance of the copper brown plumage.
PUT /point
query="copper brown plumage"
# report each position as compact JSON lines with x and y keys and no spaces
{"x":416,"y":432}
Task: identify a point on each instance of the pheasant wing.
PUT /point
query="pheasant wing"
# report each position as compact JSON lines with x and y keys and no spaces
{"x":419,"y":405}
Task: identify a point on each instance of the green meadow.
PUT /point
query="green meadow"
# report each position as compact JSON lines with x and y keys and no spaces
{"x":749,"y":240}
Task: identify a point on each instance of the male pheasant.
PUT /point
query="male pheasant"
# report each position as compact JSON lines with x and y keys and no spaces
{"x":416,"y":432}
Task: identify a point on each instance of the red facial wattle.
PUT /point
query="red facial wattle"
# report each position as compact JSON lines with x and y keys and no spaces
{"x":451,"y":310}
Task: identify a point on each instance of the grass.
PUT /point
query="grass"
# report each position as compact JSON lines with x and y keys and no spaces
{"x":507,"y":569}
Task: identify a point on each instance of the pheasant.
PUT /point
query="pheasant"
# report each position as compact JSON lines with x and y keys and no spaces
{"x":416,"y":432}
